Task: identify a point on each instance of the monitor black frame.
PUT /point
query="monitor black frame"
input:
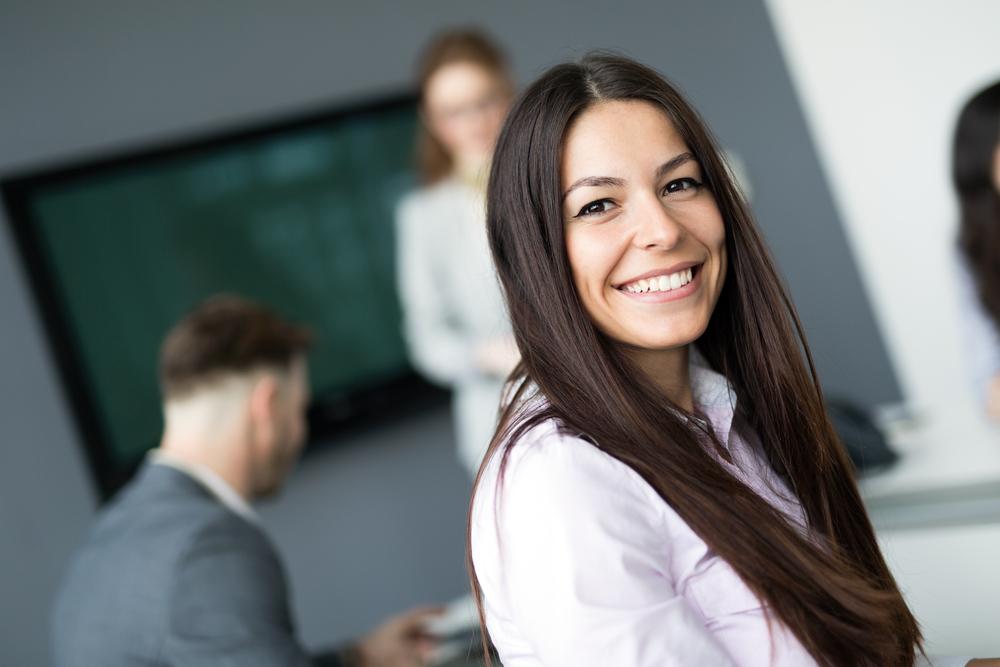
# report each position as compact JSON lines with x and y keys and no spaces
{"x":329,"y":415}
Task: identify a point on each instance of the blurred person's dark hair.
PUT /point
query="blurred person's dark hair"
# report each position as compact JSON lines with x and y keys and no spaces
{"x":974,"y":173}
{"x":465,"y":45}
{"x":225,"y":335}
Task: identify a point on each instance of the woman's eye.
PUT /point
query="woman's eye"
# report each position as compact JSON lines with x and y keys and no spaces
{"x":681,"y":187}
{"x":595,"y":208}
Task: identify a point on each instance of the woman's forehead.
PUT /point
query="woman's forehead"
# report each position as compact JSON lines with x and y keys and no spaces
{"x":457,"y":81}
{"x":619,"y":136}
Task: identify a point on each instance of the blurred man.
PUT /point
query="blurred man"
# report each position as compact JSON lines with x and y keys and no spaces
{"x":177,"y":570}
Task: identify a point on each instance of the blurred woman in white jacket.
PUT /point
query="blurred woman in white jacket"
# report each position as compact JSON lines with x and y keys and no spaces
{"x":455,"y":323}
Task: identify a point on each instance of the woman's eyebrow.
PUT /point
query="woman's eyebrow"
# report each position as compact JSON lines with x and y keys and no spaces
{"x":610,"y":181}
{"x":594,"y":182}
{"x":672,"y":164}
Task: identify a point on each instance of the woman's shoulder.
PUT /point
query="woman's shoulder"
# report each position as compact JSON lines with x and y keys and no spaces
{"x":551,"y":448}
{"x":563,"y":499}
{"x":552,"y":469}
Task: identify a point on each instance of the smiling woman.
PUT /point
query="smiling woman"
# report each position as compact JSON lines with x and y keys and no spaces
{"x":664,"y":487}
{"x":647,"y":246}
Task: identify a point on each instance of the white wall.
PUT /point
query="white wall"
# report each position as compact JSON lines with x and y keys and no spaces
{"x":881,"y":83}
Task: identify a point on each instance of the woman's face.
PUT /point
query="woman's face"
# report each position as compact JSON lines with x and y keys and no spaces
{"x":645,"y":239}
{"x":464,"y":106}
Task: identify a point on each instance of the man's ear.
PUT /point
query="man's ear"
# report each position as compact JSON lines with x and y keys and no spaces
{"x":264,"y":400}
{"x":996,"y":168}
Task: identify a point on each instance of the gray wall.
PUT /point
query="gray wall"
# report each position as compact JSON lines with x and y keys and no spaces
{"x":375,"y":523}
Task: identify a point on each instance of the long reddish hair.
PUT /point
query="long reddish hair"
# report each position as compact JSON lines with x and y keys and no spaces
{"x":831,"y":589}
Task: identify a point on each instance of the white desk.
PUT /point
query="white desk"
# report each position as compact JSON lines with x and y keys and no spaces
{"x":937,"y":515}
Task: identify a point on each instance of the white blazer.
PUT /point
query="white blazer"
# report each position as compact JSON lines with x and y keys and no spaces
{"x":451,"y":303}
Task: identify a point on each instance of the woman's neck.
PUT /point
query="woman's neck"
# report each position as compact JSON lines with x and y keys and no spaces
{"x":472,"y":171}
{"x":668,"y":370}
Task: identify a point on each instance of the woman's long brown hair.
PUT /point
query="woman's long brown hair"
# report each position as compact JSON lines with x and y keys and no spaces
{"x":832,"y":589}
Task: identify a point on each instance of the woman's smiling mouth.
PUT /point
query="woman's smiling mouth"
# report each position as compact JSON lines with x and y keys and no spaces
{"x":665,"y":285}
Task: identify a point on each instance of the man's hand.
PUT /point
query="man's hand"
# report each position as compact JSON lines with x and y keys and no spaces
{"x":399,"y":641}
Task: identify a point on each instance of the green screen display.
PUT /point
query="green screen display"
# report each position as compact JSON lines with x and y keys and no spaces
{"x":299,"y":219}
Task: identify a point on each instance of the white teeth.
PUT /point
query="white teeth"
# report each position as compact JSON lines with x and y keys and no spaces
{"x":661,"y":283}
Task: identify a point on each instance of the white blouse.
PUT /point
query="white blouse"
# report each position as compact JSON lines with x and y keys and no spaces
{"x":581,"y":563}
{"x":979,"y":333}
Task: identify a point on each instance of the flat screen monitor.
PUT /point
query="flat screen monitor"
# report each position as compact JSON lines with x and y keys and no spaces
{"x":296,"y":214}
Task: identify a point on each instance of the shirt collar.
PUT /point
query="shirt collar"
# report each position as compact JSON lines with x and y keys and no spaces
{"x":713,"y":394}
{"x":209,"y":480}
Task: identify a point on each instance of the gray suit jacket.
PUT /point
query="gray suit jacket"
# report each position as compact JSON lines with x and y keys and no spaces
{"x":170,"y":577}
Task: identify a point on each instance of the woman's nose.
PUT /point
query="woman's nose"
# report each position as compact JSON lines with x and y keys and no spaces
{"x":656,"y":228}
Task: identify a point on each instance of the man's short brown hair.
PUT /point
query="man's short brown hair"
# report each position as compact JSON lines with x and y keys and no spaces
{"x":226,"y":334}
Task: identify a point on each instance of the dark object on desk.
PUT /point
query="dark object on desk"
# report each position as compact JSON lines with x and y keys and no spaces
{"x":865,"y":443}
